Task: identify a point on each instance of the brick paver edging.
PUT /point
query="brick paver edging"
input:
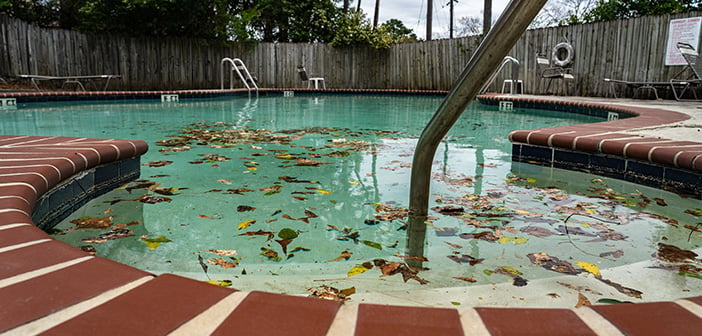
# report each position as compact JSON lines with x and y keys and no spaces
{"x":605,"y":148}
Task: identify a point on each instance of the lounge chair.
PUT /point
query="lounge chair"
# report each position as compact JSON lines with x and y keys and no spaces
{"x":549,"y":72}
{"x":638,"y":87}
{"x":693,"y":68}
{"x":305,"y":78}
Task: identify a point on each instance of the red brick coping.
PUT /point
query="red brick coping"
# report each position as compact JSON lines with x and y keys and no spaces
{"x":49,"y":287}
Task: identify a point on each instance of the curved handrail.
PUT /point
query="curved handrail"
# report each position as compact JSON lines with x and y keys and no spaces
{"x":505,"y":61}
{"x":498,"y":42}
{"x":238,"y":66}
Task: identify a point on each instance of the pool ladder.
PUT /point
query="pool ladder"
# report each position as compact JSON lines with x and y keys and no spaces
{"x":513,"y":81}
{"x":500,"y":39}
{"x":237,"y":66}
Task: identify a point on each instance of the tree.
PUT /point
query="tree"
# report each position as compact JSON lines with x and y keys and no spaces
{"x":562,"y":12}
{"x":469,"y":25}
{"x":623,"y":9}
{"x":398,"y":31}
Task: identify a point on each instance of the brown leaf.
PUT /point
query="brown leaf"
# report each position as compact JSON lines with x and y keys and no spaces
{"x":157,"y":163}
{"x":674,"y":254}
{"x":466,"y":279}
{"x":222,"y":263}
{"x":259,"y":233}
{"x":93,"y":223}
{"x":243,"y":208}
{"x":284,"y":244}
{"x":344,"y":255}
{"x":582,"y":301}
{"x":552,"y":263}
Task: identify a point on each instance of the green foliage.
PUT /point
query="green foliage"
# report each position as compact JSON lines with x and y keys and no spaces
{"x":355,"y":30}
{"x":398,"y":31}
{"x":606,"y":10}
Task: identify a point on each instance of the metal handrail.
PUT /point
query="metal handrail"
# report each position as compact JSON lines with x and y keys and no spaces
{"x":505,"y":61}
{"x":498,"y":42}
{"x":238,"y":66}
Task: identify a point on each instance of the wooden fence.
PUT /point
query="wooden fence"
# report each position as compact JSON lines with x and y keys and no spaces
{"x":631,"y":49}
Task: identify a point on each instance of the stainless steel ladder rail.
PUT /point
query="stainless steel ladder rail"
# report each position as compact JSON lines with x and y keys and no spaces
{"x":238,"y":66}
{"x":513,"y":74}
{"x":498,"y":42}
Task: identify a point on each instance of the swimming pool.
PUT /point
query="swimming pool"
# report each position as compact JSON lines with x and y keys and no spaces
{"x":363,"y":156}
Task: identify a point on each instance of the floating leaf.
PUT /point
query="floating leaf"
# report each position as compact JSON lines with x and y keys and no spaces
{"x":331,"y":293}
{"x":612,"y":301}
{"x":215,"y":216}
{"x":591,"y":268}
{"x":224,"y":181}
{"x":259,"y":233}
{"x":552,"y":263}
{"x":287,"y":233}
{"x":245,"y":224}
{"x":466,"y":259}
{"x":220,"y":283}
{"x":223,"y":253}
{"x":513,"y":240}
{"x":372,"y":244}
{"x":93,"y":222}
{"x":110,"y":235}
{"x":466,"y":279}
{"x":151,"y":199}
{"x":244,"y":208}
{"x":354,"y":182}
{"x":157,"y":163}
{"x":310,"y":214}
{"x":284,"y":244}
{"x":537,"y":231}
{"x":324,"y":192}
{"x":624,"y":290}
{"x":582,"y":301}
{"x":270,"y":254}
{"x":153,"y":243}
{"x":674,"y":254}
{"x":356,"y":270}
{"x":223,"y":263}
{"x":345,"y":255}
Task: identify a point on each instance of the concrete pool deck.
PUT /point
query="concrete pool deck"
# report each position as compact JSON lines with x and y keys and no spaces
{"x":49,"y":287}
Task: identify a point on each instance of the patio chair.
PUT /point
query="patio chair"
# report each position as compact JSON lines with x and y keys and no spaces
{"x":693,"y":68}
{"x":550,"y":72}
{"x":305,"y":78}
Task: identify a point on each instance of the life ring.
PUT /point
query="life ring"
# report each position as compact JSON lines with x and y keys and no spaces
{"x":558,"y":52}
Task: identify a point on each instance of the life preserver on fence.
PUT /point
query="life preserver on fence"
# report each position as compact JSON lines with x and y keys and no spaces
{"x":558,"y":53}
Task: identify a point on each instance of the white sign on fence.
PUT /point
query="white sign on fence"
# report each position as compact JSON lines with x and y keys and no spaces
{"x":682,"y":30}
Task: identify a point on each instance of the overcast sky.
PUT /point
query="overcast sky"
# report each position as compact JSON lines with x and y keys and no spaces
{"x":413,"y":13}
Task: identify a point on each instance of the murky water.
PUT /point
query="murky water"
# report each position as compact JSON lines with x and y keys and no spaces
{"x":285,"y":194}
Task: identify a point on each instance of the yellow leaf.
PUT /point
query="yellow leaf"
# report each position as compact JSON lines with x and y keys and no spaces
{"x":590,"y":211}
{"x":531,"y":180}
{"x":251,"y":168}
{"x":354,"y":182}
{"x":358,"y":269}
{"x":324,"y":192}
{"x":220,"y":283}
{"x":591,"y":268}
{"x":285,"y":157}
{"x":245,"y":224}
{"x":513,"y":240}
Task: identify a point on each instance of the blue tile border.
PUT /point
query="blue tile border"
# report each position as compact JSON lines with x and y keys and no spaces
{"x":672,"y":179}
{"x":66,"y":198}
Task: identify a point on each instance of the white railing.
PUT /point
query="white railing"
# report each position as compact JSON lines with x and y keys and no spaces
{"x":237,"y":66}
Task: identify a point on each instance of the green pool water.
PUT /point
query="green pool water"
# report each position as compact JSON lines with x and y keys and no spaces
{"x":290,"y":193}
